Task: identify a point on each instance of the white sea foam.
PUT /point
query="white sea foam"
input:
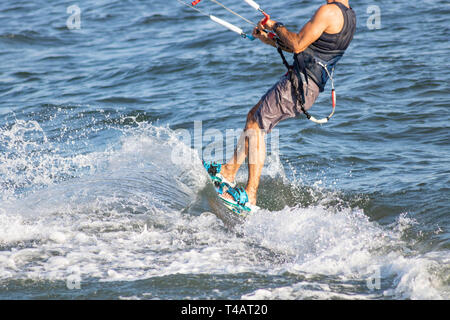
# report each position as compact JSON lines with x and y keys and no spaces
{"x":344,"y":245}
{"x":127,"y":220}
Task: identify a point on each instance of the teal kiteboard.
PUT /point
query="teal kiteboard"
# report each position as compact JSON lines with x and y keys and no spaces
{"x":239,"y":206}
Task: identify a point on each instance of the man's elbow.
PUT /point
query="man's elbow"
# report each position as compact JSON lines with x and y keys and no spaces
{"x":298,"y":48}
{"x":298,"y":45}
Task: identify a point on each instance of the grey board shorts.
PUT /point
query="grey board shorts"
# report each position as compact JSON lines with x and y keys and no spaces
{"x":280,"y":103}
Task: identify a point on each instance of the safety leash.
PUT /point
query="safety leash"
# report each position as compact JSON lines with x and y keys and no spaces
{"x":333,"y":91}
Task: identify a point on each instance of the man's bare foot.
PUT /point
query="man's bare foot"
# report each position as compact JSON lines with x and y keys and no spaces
{"x":227,"y":196}
{"x":251,"y":197}
{"x":227,"y":173}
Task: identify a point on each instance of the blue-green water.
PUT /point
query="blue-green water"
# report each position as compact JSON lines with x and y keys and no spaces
{"x":92,"y":204}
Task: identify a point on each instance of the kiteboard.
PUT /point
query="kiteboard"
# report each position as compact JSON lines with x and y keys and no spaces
{"x":239,"y":210}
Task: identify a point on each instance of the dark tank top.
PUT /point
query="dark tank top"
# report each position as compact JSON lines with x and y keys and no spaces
{"x":326,"y":51}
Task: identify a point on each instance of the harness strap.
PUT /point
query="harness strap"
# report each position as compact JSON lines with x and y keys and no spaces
{"x":304,"y":79}
{"x":294,"y":81}
{"x":286,"y":64}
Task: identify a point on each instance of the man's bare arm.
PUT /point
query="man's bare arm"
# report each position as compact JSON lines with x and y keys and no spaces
{"x":264,"y":37}
{"x":309,"y":33}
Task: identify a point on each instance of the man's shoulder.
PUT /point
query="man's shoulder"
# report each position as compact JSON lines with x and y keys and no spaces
{"x":328,"y":10}
{"x":327,"y":13}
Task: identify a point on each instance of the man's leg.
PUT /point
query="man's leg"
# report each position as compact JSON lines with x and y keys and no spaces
{"x":278,"y":104}
{"x":256,"y":157}
{"x":230,"y":169}
{"x":251,"y":143}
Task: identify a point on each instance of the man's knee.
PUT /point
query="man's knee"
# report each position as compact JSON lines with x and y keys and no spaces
{"x":251,"y":116}
{"x":252,"y":127}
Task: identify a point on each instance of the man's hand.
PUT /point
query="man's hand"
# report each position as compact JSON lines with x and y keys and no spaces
{"x":262,"y":35}
{"x":257,"y":33}
{"x":260,"y":32}
{"x":269,"y":24}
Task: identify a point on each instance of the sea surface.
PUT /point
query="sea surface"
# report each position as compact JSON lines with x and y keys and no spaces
{"x":104,"y":122}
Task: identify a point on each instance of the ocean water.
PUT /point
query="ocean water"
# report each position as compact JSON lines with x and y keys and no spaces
{"x":92,"y":205}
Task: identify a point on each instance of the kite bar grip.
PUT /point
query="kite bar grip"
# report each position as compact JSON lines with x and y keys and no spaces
{"x":252,"y":4}
{"x":227,"y":25}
